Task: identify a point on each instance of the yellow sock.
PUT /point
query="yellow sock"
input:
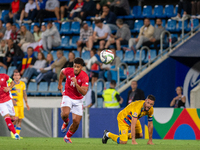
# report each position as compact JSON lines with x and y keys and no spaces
{"x":114,"y":137}
{"x":18,"y":129}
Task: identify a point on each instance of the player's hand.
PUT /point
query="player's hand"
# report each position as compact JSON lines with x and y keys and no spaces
{"x":74,"y":80}
{"x":60,"y":87}
{"x":150,"y":142}
{"x":6,"y":89}
{"x":28,"y":108}
{"x":134,"y":142}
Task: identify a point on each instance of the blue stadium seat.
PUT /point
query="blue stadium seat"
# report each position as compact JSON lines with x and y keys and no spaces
{"x":26,"y":25}
{"x":158,"y":11}
{"x":169,"y":11}
{"x":3,"y":13}
{"x":147,"y":11}
{"x":131,"y":70}
{"x":35,"y":54}
{"x":65,"y":28}
{"x":53,"y":89}
{"x":75,"y":27}
{"x":99,"y":102}
{"x":194,"y":24}
{"x":2,"y":70}
{"x":85,"y":55}
{"x":43,"y":88}
{"x":151,"y":56}
{"x":66,"y":53}
{"x":10,"y":70}
{"x":32,"y":26}
{"x":77,"y":54}
{"x":137,"y":56}
{"x":65,"y":42}
{"x":138,"y":24}
{"x":152,"y":22}
{"x":164,"y":23}
{"x":63,"y":84}
{"x":119,"y":53}
{"x":100,"y":88}
{"x":44,"y":24}
{"x":57,"y":25}
{"x":137,"y":12}
{"x":107,"y":84}
{"x":93,"y":25}
{"x":32,"y":88}
{"x":74,"y":41}
{"x":54,"y":55}
{"x":17,"y":25}
{"x":129,"y":57}
{"x":176,"y":11}
{"x":129,"y":16}
{"x":89,"y":23}
{"x":180,"y":25}
{"x":45,"y":53}
{"x":171,"y":25}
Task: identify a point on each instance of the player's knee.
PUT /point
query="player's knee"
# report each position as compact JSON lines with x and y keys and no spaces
{"x":76,"y":123}
{"x":123,"y":142}
{"x":64,"y":115}
{"x":141,"y":135}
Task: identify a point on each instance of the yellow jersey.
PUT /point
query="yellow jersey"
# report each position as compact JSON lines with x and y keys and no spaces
{"x":136,"y":110}
{"x":17,"y":93}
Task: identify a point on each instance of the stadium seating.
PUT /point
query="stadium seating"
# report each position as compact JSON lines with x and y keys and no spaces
{"x":54,"y":55}
{"x":100,"y":88}
{"x":137,"y":56}
{"x":45,"y":53}
{"x":128,"y":57}
{"x":75,"y":27}
{"x":66,"y":53}
{"x":65,"y":28}
{"x":57,"y":25}
{"x":26,"y":25}
{"x":152,"y":22}
{"x":32,"y":26}
{"x":194,"y":24}
{"x":2,"y":70}
{"x":171,"y":25}
{"x":3,"y":13}
{"x":152,"y":55}
{"x":147,"y":11}
{"x":74,"y":41}
{"x":53,"y":89}
{"x":180,"y":25}
{"x":43,"y":88}
{"x":99,"y":102}
{"x":35,"y":54}
{"x":86,"y":56}
{"x":77,"y":54}
{"x":63,"y":84}
{"x":169,"y":11}
{"x":138,"y":24}
{"x":65,"y":42}
{"x":107,"y":84}
{"x":17,"y":25}
{"x":10,"y":70}
{"x":119,"y":53}
{"x":137,"y":12}
{"x":158,"y":11}
{"x":89,"y":23}
{"x":131,"y":70}
{"x":32,"y":88}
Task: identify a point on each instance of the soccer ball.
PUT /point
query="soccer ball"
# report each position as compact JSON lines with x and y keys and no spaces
{"x":107,"y":56}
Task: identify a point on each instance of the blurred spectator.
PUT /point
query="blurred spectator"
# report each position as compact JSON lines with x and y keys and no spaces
{"x":51,"y":37}
{"x":101,"y":33}
{"x":28,"y":12}
{"x":14,"y":53}
{"x":26,"y":38}
{"x":122,"y":36}
{"x":57,"y":65}
{"x":37,"y":33}
{"x":135,"y":93}
{"x":111,"y":97}
{"x":8,"y":31}
{"x":51,"y":10}
{"x":88,"y":9}
{"x":184,"y":5}
{"x":3,"y":51}
{"x":146,"y":33}
{"x":70,"y":61}
{"x":40,"y":5}
{"x":109,"y":17}
{"x":34,"y":69}
{"x":15,"y":10}
{"x":43,"y":76}
{"x":89,"y":99}
{"x":65,"y":10}
{"x":178,"y":101}
{"x":155,"y":40}
{"x":29,"y":59}
{"x":85,"y":33}
{"x":101,"y":4}
{"x":120,"y":7}
{"x":77,"y":8}
{"x":2,"y":30}
{"x":195,"y":9}
{"x":15,"y":34}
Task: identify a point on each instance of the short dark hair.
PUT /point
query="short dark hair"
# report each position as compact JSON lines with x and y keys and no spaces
{"x":151,"y":97}
{"x":147,"y":19}
{"x":106,"y":5}
{"x":180,"y":88}
{"x":49,"y":22}
{"x":97,"y":21}
{"x":113,"y":82}
{"x":15,"y":71}
{"x":94,"y":51}
{"x":78,"y":60}
{"x":31,"y":48}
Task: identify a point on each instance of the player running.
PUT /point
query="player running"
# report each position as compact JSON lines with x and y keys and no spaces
{"x":18,"y":93}
{"x":76,"y":87}
{"x":128,"y":119}
{"x":6,"y":104}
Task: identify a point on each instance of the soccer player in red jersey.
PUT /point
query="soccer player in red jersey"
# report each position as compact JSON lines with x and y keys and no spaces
{"x":76,"y":87}
{"x":6,"y":104}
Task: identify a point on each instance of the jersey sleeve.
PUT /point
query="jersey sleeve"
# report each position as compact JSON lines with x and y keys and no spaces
{"x":64,"y":71}
{"x":150,"y":115}
{"x":135,"y":113}
{"x":8,"y":79}
{"x":85,"y":81}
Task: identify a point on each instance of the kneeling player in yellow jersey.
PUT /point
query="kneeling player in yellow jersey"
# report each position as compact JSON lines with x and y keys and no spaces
{"x":18,"y":93}
{"x":128,"y":119}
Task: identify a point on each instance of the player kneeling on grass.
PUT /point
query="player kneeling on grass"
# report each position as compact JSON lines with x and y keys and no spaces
{"x":76,"y":87}
{"x":6,"y":104}
{"x":128,"y":119}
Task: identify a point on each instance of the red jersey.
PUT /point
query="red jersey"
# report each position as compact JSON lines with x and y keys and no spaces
{"x":4,"y":96}
{"x":70,"y":88}
{"x":15,"y":6}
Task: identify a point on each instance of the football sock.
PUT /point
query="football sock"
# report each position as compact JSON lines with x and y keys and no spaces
{"x":69,"y":133}
{"x":114,"y":137}
{"x":66,"y":120}
{"x":18,"y":129}
{"x":10,"y":125}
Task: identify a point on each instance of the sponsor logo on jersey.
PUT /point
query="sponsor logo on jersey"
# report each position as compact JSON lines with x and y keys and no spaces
{"x":86,"y":83}
{"x":2,"y":79}
{"x":79,"y":80}
{"x":135,"y":114}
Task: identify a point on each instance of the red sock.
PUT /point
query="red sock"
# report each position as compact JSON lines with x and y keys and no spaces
{"x":66,"y":120}
{"x":10,"y":125}
{"x":69,"y":133}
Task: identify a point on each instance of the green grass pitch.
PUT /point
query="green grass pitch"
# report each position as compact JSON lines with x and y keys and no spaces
{"x":6,"y":143}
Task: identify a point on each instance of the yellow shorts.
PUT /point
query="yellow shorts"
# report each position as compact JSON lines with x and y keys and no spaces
{"x":19,"y":111}
{"x":124,"y":129}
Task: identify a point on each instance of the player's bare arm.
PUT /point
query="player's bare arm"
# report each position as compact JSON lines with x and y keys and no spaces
{"x":82,"y":89}
{"x":6,"y":89}
{"x":133,"y":124}
{"x":25,"y":99}
{"x":150,"y":128}
{"x":61,"y":77}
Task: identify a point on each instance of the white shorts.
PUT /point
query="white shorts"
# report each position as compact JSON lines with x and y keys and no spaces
{"x":76,"y":106}
{"x":7,"y":108}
